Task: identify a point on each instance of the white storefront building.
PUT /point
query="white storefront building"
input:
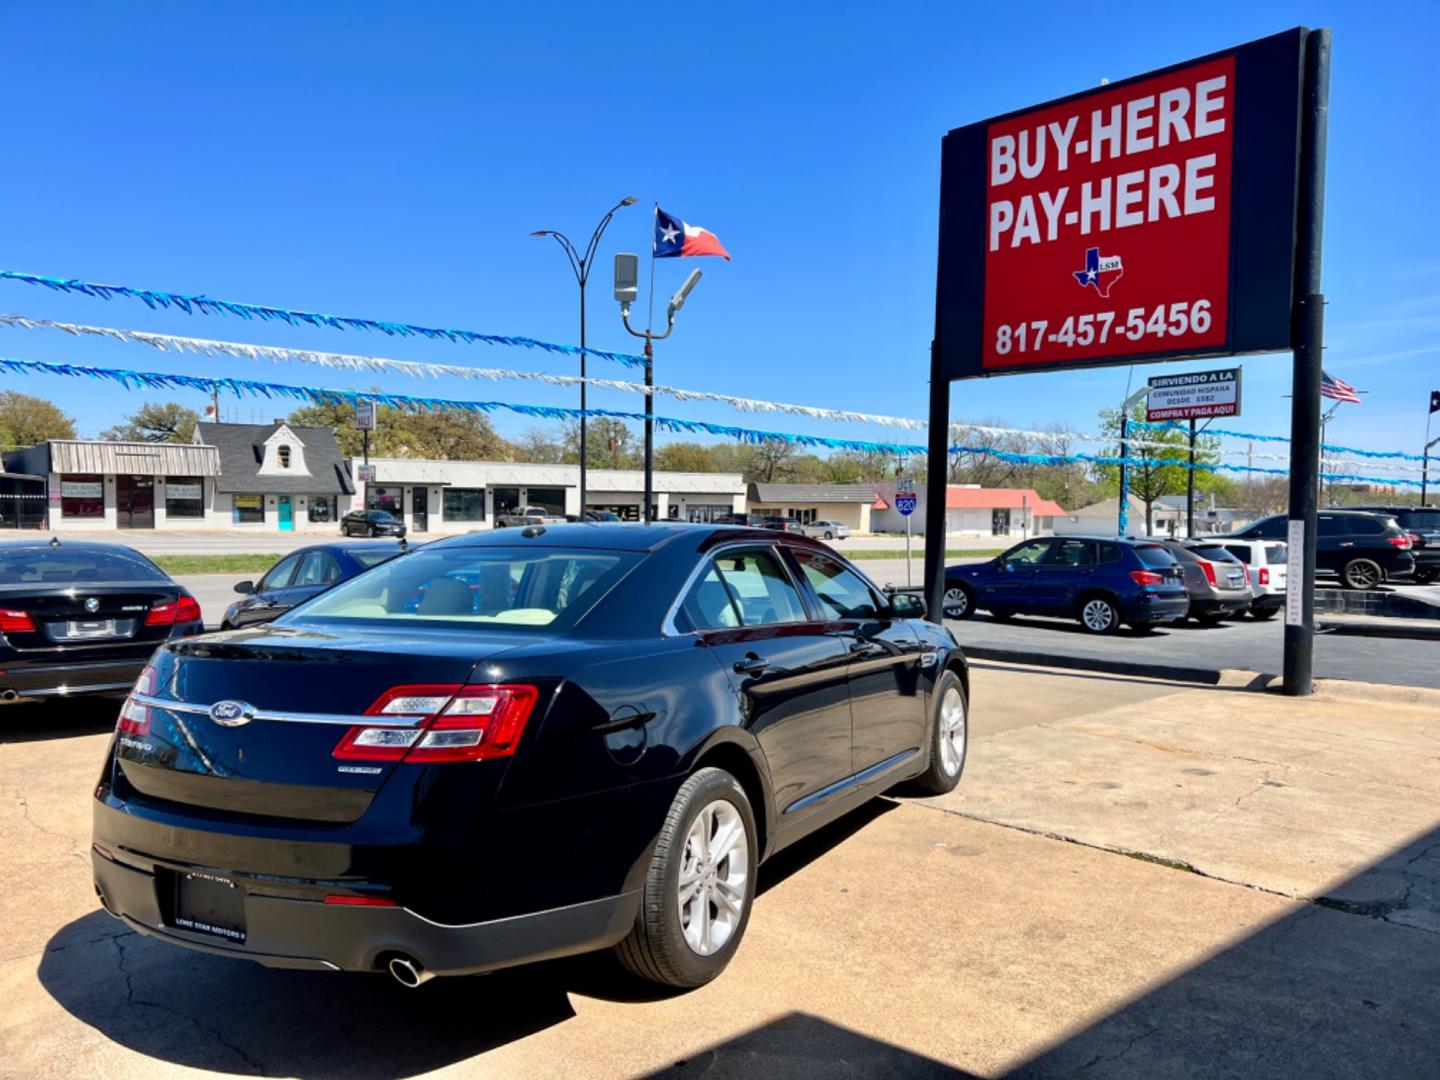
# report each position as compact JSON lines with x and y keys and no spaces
{"x":461,"y":496}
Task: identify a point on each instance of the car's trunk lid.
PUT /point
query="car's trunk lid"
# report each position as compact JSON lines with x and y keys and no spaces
{"x":86,"y":619}
{"x":295,"y":692}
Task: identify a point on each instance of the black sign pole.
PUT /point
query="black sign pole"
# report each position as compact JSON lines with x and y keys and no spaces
{"x":1308,"y":334}
{"x":937,"y":473}
{"x":1190,"y":487}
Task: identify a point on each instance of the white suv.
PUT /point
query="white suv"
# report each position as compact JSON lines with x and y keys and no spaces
{"x":1266,"y":561}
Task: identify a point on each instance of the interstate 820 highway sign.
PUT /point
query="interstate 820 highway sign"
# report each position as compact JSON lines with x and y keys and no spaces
{"x":1148,"y":219}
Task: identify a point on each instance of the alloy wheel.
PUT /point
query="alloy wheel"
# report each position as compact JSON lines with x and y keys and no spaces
{"x":952,"y":731}
{"x":1362,"y":574}
{"x":956,"y":602}
{"x":714,"y":871}
{"x":1098,"y":615}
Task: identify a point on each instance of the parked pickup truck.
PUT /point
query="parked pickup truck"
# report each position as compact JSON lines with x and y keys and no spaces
{"x":528,"y":515}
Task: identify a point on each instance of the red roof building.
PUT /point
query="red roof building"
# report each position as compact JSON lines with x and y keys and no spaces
{"x":973,"y":511}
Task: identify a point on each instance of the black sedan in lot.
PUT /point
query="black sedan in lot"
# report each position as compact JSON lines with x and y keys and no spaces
{"x":302,"y":574}
{"x":596,"y":757}
{"x":82,"y":618}
{"x":371,"y":523}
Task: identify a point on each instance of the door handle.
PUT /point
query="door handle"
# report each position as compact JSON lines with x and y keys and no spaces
{"x":751,"y":665}
{"x":859,"y":647}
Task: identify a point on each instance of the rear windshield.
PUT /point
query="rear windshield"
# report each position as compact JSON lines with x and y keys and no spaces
{"x":1154,"y":556}
{"x":1420,"y":519}
{"x":368,"y":557}
{"x":514,"y":588}
{"x":1215,"y":553}
{"x":1275,"y":553}
{"x":57,"y":566}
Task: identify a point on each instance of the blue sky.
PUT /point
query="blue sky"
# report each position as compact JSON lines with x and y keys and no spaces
{"x":389,"y":161}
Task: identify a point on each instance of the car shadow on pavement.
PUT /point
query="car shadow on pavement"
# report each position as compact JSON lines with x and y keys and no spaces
{"x":234,"y":1016}
{"x":1345,"y":986}
{"x":798,"y":1046}
{"x":30,"y":721}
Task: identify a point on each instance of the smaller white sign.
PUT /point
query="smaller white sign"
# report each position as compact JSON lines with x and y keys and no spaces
{"x":1194,"y":395}
{"x":184,"y":491}
{"x":81,"y":489}
{"x":1295,"y":575}
{"x":365,"y":416}
{"x":365,"y":473}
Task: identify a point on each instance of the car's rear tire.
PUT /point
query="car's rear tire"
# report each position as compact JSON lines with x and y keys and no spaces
{"x":1267,"y":613}
{"x":1362,"y":574}
{"x":958,"y":603}
{"x":1099,"y":615}
{"x":685,"y":937}
{"x":829,"y":536}
{"x":949,"y":736}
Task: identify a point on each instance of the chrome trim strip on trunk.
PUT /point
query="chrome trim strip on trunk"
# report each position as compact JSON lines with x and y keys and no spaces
{"x":348,"y":719}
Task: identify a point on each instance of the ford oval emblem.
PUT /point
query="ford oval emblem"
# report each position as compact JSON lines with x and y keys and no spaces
{"x":92,"y":605}
{"x":232,"y":713}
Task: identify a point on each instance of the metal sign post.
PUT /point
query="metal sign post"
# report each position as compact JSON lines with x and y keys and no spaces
{"x":905,"y":502}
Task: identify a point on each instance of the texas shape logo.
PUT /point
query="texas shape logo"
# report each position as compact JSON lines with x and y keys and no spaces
{"x":1100,"y":271}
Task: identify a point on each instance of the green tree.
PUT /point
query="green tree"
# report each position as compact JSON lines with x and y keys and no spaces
{"x":1163,"y":455}
{"x":609,"y":444}
{"x":443,"y":435}
{"x":540,"y":446}
{"x":157,"y":422}
{"x":686,"y":457}
{"x":27,"y":420}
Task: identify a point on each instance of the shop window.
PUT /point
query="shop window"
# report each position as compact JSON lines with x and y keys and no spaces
{"x":184,"y":497}
{"x":389,"y":499}
{"x":322,"y":508}
{"x":552,"y":499}
{"x":249,"y":509}
{"x":464,"y":504}
{"x":82,"y":496}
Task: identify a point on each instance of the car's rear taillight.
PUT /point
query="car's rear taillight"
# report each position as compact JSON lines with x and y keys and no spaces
{"x":1264,"y":575}
{"x":1147,"y":577}
{"x":134,"y":717}
{"x":183,"y":610}
{"x":1209,"y":569}
{"x":16,"y":622}
{"x":1404,"y":540}
{"x":452,"y":723}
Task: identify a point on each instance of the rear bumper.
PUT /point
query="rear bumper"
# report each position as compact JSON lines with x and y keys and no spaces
{"x":1268,"y":602}
{"x":71,"y":680}
{"x":1150,"y":608}
{"x":1215,"y":605}
{"x":308,"y":934}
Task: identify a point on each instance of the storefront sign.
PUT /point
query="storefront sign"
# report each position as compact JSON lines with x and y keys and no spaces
{"x":247,"y":502}
{"x":365,"y":416}
{"x":81,"y":489}
{"x":1194,"y":396}
{"x":184,"y":491}
{"x":1146,"y":220}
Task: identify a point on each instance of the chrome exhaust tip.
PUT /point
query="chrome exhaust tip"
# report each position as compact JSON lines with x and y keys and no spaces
{"x":8,"y":695}
{"x":408,"y":973}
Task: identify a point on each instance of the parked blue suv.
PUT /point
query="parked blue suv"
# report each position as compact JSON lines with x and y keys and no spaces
{"x":1101,"y":580}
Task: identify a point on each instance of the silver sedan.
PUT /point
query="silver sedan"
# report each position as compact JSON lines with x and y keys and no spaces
{"x":826,"y":530}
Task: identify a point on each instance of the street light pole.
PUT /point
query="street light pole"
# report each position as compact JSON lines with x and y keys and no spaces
{"x":626,"y":276}
{"x":581,"y":265}
{"x":1124,"y":518}
{"x":1425,"y":465}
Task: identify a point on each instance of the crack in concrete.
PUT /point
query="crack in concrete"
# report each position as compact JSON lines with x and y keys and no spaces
{"x":1130,"y":1045}
{"x":1376,"y":910}
{"x":25,"y":815}
{"x":214,"y":1033}
{"x":50,"y":950}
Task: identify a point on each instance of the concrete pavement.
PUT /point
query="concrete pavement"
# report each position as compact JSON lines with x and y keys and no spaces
{"x":995,"y":931}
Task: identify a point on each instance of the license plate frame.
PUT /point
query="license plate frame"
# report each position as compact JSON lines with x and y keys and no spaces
{"x":205,"y":904}
{"x":83,"y":629}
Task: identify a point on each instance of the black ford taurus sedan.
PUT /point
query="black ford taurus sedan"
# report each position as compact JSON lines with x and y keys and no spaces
{"x":82,"y":618}
{"x":510,"y":746}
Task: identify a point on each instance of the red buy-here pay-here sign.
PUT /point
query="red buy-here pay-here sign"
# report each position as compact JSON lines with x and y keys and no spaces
{"x":1108,"y":222}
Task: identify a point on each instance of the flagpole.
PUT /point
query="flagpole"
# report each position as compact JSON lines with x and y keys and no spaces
{"x":1425,"y":459}
{"x":645,"y":514}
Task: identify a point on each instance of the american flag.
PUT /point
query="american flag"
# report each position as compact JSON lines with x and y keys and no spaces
{"x":1337,"y":389}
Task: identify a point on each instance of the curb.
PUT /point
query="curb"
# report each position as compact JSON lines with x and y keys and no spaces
{"x":1380,"y":626}
{"x":1173,"y":672}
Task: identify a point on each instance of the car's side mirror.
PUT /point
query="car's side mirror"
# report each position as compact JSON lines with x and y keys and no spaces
{"x":907,"y":605}
{"x":245,"y":588}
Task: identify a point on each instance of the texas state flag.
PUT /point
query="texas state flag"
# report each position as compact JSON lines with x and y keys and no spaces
{"x":674,"y":238}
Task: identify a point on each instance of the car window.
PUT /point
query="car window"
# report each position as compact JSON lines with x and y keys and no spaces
{"x":1368,"y":526}
{"x":1240,"y":551}
{"x":710,"y":606}
{"x":843,"y":593}
{"x":1330,"y":525}
{"x":760,"y":591}
{"x":1271,"y":528}
{"x":1028,"y":554}
{"x":1111,"y":553}
{"x":281,"y":574}
{"x":1420,"y":519}
{"x":368,"y":557}
{"x":1275,"y":553}
{"x":1070,"y":553}
{"x":1216,"y":553}
{"x":519,"y":589}
{"x":1154,"y":556}
{"x":318,"y":568}
{"x":1183,"y":554}
{"x":34,"y":566}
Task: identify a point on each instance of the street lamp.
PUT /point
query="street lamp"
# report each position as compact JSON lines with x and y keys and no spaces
{"x":627,"y":275}
{"x":1425,"y":469}
{"x":581,"y":265}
